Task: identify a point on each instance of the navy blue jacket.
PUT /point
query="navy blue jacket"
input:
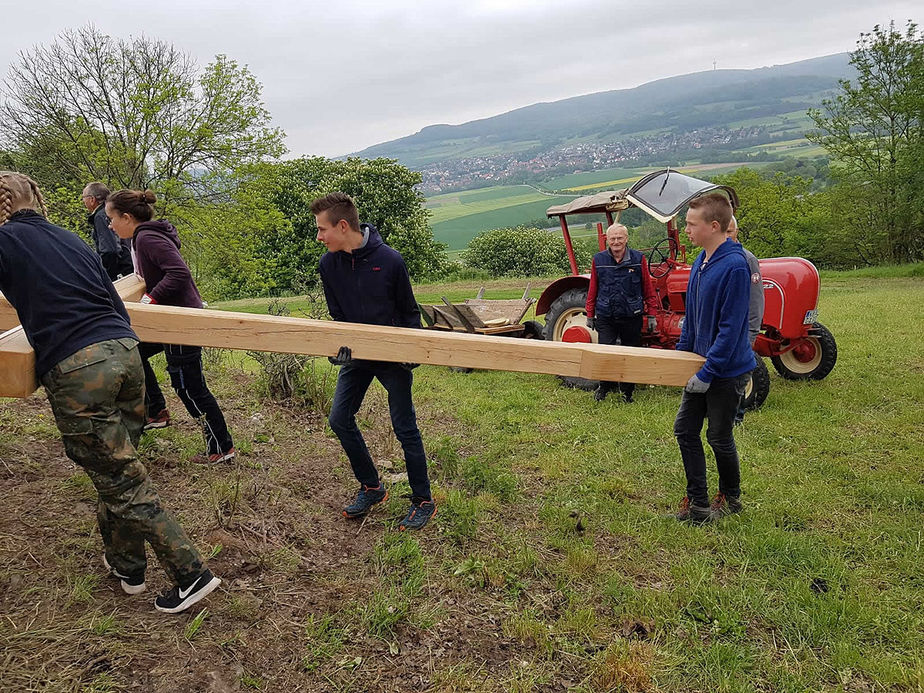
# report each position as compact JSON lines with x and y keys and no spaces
{"x":115,"y":253}
{"x":716,"y":323}
{"x":619,"y":285}
{"x":370,"y":285}
{"x":62,"y":294}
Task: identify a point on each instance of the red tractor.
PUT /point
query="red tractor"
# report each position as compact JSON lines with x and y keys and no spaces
{"x":799,"y":347}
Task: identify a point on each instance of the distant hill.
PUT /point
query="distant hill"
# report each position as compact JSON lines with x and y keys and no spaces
{"x":715,"y":99}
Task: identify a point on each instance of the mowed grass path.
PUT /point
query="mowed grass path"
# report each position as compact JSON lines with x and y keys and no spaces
{"x":551,"y":565}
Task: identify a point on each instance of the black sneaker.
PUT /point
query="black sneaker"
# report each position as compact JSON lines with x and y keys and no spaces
{"x":419,"y":514}
{"x":723,"y":506}
{"x":600,"y":393}
{"x":130,"y":584}
{"x":178,"y":599}
{"x":691,"y":512}
{"x":366,"y":498}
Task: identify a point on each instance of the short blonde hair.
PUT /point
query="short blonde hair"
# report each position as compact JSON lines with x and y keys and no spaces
{"x":18,"y":191}
{"x":617,"y":227}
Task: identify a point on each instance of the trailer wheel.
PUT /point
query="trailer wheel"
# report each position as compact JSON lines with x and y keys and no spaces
{"x":759,"y":387}
{"x":567,"y":310}
{"x":813,"y":359}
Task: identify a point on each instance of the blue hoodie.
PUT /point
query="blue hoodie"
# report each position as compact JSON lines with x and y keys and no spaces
{"x":370,"y":285}
{"x":716,"y":323}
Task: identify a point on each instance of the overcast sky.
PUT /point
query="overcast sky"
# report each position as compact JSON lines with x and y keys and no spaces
{"x":342,"y":75}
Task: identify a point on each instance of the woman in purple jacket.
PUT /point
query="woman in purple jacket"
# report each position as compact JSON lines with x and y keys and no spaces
{"x":167,"y":279}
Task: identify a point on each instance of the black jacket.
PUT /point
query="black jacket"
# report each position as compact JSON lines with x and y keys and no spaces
{"x":115,"y":253}
{"x":370,"y":285}
{"x":64,"y":299}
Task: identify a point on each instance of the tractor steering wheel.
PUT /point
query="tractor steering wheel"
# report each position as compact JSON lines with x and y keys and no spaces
{"x":656,"y":256}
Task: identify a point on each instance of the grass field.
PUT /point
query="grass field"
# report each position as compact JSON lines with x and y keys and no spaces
{"x":551,"y":564}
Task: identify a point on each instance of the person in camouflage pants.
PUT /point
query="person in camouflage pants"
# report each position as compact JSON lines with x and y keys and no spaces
{"x":97,"y":396}
{"x":86,"y":356}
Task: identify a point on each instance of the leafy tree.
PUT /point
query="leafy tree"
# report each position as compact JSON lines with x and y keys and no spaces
{"x":386,"y":196}
{"x":522,"y":252}
{"x":133,"y":113}
{"x":874,"y":131}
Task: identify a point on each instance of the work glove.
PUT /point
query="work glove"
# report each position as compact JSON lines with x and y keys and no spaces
{"x":147,"y":299}
{"x":408,"y":366}
{"x":591,"y":323}
{"x":695,"y":385}
{"x":652,"y":323}
{"x":343,"y":357}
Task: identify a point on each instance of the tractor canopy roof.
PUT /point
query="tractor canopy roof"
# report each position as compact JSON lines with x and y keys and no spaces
{"x":660,"y":194}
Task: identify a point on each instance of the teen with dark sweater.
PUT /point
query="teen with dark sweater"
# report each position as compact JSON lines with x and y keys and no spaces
{"x":86,"y":356}
{"x":365,"y":281}
{"x":168,"y":281}
{"x":716,"y":327}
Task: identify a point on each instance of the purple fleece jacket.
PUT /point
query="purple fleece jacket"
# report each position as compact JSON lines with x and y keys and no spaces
{"x":166,"y":275}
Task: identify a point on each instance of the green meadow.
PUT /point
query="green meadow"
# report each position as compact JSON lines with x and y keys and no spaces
{"x":553,"y":562}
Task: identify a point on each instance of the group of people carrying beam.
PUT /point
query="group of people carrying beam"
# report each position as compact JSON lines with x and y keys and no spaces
{"x":104,"y":393}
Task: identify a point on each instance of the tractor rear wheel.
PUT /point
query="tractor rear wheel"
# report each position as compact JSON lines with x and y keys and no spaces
{"x":568,"y":310}
{"x":759,"y":387}
{"x":812,"y":359}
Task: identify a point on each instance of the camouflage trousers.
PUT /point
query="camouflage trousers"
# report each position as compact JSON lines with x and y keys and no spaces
{"x":97,"y":396}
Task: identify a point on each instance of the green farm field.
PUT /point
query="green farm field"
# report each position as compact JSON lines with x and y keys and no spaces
{"x":552,"y":563}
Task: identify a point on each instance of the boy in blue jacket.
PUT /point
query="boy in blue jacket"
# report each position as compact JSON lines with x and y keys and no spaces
{"x":716,"y":327}
{"x":365,"y":281}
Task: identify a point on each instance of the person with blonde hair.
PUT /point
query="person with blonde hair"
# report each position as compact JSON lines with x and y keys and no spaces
{"x":86,"y":356}
{"x":168,"y":281}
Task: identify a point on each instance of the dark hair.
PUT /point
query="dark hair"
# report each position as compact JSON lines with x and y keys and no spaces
{"x":714,"y":207}
{"x":134,"y":202}
{"x":339,"y":206}
{"x":98,"y":190}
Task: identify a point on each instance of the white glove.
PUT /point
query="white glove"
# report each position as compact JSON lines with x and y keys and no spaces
{"x":696,"y":386}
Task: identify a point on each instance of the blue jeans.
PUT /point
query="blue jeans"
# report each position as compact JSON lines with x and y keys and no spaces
{"x":352,"y":383}
{"x":718,"y":404}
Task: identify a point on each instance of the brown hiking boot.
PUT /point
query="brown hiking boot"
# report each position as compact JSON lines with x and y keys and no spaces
{"x":723,"y":505}
{"x":691,"y":512}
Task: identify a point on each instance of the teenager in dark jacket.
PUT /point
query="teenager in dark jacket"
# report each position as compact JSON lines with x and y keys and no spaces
{"x":619,"y":296}
{"x":365,"y":281}
{"x":86,"y":356}
{"x":115,"y":253}
{"x":168,"y":281}
{"x":716,"y":327}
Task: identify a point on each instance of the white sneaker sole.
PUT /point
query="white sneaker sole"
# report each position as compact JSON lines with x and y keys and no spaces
{"x":128,"y":589}
{"x":193,"y":598}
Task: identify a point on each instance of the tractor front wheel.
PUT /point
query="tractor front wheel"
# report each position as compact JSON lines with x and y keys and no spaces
{"x":811,"y":359}
{"x":568,"y":310}
{"x":759,"y":387}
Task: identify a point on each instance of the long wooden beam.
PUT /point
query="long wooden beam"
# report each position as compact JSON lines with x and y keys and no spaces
{"x":17,"y":360}
{"x":229,"y":330}
{"x":214,"y":328}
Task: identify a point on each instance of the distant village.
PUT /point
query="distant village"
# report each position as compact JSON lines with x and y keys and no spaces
{"x":480,"y":171}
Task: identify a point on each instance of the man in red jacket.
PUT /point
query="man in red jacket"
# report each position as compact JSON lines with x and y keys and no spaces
{"x":620,"y":293}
